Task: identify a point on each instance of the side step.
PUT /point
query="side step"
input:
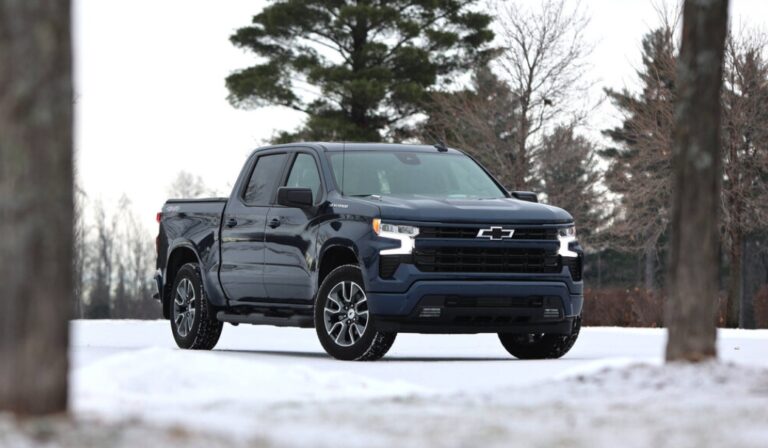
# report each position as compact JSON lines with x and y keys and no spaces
{"x":295,"y":320}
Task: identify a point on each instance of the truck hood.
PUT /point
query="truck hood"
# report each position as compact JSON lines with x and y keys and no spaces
{"x":504,"y":210}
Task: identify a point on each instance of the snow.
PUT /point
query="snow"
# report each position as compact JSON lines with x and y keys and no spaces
{"x":277,"y":386}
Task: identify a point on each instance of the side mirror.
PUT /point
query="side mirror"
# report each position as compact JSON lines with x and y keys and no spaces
{"x":525,"y":196}
{"x":295,"y":197}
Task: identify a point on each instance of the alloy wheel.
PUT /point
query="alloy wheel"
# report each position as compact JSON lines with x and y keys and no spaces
{"x":184,"y":307}
{"x":346,"y":313}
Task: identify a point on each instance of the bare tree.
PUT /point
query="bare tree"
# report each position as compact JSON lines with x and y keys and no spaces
{"x":745,"y":155}
{"x":543,"y":58}
{"x":187,"y":185}
{"x":80,"y":260}
{"x":481,"y":120}
{"x":100,"y":292}
{"x":36,"y":204}
{"x":132,"y":260}
{"x":697,"y":172}
{"x":140,"y":264}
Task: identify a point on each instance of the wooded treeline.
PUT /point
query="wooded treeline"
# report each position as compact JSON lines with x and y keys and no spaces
{"x":519,"y":103}
{"x":115,"y":254}
{"x":114,"y":263}
{"x":398,"y":71}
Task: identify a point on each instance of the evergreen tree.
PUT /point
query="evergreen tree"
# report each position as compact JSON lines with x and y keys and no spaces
{"x":640,"y":165}
{"x":373,"y":61}
{"x":745,"y":157}
{"x":569,"y":174}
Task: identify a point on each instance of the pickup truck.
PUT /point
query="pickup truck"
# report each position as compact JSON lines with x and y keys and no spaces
{"x":362,"y":241}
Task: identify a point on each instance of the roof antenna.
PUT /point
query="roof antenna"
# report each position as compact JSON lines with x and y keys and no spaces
{"x":439,"y":144}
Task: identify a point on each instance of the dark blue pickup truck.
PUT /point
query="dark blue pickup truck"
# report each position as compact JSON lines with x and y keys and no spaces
{"x":363,"y":241}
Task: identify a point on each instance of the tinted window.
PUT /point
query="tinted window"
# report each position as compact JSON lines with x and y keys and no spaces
{"x":304,"y":174}
{"x":411,"y":174}
{"x":264,"y":179}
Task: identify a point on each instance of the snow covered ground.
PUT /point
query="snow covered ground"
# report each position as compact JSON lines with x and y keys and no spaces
{"x":276,"y":386}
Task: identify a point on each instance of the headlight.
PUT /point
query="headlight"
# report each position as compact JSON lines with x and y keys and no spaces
{"x":383,"y":228}
{"x":566,"y":235}
{"x":405,"y":234}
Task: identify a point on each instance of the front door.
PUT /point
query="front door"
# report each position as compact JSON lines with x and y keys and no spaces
{"x":290,"y":249}
{"x":243,"y":231}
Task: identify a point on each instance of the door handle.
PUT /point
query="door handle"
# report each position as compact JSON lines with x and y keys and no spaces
{"x":275,"y":223}
{"x":232,"y":222}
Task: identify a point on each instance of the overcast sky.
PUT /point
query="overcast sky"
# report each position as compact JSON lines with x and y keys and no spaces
{"x":151,"y":100}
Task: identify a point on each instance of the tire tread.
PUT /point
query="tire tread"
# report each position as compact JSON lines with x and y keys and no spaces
{"x":208,"y":329}
{"x":381,"y":341}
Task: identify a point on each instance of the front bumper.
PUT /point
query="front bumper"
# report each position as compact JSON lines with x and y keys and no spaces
{"x":478,"y":306}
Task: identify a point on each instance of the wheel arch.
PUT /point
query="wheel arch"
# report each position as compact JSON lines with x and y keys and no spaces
{"x":178,"y":257}
{"x":333,"y":256}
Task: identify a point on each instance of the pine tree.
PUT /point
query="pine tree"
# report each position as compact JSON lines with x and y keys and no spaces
{"x":570,"y":176}
{"x":745,"y":156}
{"x":640,"y":165}
{"x":372,"y":62}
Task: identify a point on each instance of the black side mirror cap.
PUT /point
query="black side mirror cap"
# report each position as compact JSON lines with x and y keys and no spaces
{"x":295,"y":197}
{"x":525,"y":196}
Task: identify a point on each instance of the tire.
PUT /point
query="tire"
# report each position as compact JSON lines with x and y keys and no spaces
{"x":344,"y":326}
{"x":192,"y":324}
{"x":540,"y":346}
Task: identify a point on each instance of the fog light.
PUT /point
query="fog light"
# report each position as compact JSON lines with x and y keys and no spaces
{"x":430,"y":311}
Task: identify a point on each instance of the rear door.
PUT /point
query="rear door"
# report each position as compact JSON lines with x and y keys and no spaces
{"x":243,"y":229}
{"x":291,"y":237}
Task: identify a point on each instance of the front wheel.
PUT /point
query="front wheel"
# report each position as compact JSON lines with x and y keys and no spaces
{"x":540,"y":346}
{"x":192,"y":325}
{"x":343,"y":321}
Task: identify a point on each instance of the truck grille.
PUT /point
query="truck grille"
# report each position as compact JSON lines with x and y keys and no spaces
{"x":521,"y":233}
{"x":509,"y":260}
{"x":574,"y":266}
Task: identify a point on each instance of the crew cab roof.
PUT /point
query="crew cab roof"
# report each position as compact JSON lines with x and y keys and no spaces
{"x":354,"y":146}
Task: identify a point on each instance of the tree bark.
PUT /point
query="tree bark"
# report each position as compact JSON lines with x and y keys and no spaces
{"x":697,"y":171}
{"x":36,"y":204}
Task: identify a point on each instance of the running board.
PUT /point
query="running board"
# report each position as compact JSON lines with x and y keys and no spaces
{"x":295,"y":320}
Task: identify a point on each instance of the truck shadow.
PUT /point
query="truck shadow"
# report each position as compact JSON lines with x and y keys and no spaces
{"x":321,"y":355}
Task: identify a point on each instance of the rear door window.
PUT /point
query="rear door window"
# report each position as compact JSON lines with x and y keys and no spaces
{"x":264,"y":179}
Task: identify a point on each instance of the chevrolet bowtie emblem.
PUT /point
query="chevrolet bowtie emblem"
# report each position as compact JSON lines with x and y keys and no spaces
{"x":496,"y":233}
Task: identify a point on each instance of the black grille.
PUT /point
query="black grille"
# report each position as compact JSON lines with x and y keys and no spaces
{"x":510,"y":260}
{"x":574,"y":266}
{"x":521,"y":233}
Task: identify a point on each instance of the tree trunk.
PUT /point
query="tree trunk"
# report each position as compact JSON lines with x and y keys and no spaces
{"x":36,"y":204}
{"x":697,"y":170}
{"x":733,"y":308}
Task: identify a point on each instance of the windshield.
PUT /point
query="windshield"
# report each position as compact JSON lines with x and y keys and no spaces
{"x":411,"y":174}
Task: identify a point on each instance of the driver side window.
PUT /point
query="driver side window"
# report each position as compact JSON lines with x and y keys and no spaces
{"x":304,"y":174}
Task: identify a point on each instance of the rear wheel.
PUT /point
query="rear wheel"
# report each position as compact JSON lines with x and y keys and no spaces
{"x":191,"y":323}
{"x":539,"y":345}
{"x":343,"y":321}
